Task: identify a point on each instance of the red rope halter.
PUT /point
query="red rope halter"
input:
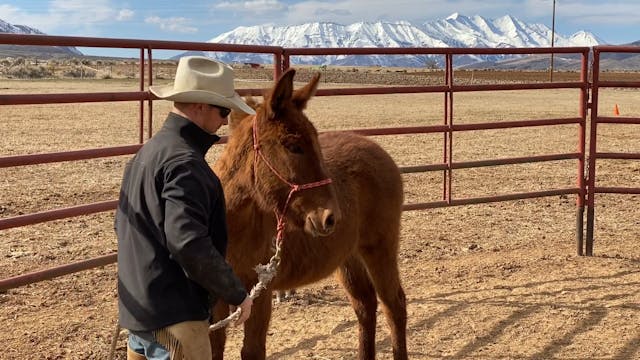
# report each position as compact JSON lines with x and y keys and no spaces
{"x":280,"y":216}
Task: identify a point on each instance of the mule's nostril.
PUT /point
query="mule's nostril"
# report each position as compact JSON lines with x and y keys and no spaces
{"x":329,"y":222}
{"x":321,"y":223}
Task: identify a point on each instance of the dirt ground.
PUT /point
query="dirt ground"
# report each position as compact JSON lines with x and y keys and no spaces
{"x":490,"y":281}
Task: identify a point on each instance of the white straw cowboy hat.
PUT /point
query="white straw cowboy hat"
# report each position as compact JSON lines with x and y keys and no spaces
{"x":202,"y":80}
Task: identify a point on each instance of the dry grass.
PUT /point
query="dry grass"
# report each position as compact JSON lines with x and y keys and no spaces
{"x":498,"y":281}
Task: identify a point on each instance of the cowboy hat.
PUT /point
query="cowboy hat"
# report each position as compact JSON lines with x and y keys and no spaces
{"x":202,"y":80}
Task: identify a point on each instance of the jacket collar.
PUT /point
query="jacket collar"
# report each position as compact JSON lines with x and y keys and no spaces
{"x":192,"y":133}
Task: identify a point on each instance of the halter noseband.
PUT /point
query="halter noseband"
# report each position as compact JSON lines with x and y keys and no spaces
{"x":280,"y":215}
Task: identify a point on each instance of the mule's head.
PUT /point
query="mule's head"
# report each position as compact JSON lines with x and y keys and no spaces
{"x":290,"y":155}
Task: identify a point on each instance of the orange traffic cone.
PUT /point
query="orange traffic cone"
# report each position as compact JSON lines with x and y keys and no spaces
{"x":616,"y":111}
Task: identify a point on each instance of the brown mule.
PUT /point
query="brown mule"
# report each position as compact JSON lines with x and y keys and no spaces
{"x":351,"y":225}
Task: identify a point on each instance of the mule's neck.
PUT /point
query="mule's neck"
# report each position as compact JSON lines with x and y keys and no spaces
{"x":235,"y":165}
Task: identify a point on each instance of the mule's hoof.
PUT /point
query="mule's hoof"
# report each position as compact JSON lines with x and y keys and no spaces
{"x":284,"y":295}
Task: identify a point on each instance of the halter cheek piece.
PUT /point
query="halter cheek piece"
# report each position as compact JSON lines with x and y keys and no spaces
{"x":280,"y":215}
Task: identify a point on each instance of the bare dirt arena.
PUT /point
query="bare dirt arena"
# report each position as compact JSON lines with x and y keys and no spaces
{"x":487,"y":282}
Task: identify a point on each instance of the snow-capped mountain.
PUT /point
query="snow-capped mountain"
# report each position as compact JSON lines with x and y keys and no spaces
{"x":454,"y":31}
{"x":45,"y":51}
{"x":506,"y":31}
{"x":5,"y":27}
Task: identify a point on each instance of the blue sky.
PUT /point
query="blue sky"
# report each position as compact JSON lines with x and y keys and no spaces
{"x":615,"y":21}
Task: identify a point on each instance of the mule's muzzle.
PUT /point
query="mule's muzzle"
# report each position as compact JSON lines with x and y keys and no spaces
{"x":320,"y":223}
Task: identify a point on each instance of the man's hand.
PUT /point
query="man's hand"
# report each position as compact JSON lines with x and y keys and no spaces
{"x":245,"y":310}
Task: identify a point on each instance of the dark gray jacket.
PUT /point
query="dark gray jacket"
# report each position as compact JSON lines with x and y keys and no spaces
{"x":172,"y":233}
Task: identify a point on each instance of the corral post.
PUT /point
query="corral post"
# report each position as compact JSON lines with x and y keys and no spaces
{"x":141,"y":103}
{"x":277,"y":65}
{"x":584,"y":98}
{"x":448,"y":136}
{"x":591,"y":177}
{"x":149,"y":101}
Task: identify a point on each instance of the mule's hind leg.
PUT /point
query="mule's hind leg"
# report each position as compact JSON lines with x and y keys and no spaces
{"x":353,"y":276}
{"x":382,"y":265}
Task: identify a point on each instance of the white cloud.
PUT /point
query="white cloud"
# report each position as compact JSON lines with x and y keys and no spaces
{"x":172,"y":24}
{"x":16,"y":16}
{"x":82,"y":11}
{"x":125,"y":14}
{"x":599,"y":13}
{"x":252,"y":6}
{"x":8,"y":11}
{"x":68,"y":17}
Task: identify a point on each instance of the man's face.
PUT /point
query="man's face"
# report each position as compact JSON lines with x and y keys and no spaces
{"x":213,"y":117}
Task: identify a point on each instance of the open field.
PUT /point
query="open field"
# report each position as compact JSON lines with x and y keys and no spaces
{"x":108,"y":68}
{"x":493,"y":281}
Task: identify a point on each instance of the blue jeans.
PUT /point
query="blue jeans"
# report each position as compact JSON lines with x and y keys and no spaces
{"x":144,"y":343}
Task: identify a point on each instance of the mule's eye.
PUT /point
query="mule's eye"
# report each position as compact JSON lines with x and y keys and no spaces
{"x":292,"y":144}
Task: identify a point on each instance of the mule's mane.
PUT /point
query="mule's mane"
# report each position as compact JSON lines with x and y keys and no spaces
{"x":236,"y":161}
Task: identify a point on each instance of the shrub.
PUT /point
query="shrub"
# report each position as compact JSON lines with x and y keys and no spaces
{"x":79,"y":72}
{"x":29,"y":72}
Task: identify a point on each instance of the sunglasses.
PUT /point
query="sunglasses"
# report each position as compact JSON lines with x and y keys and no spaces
{"x":224,"y":112}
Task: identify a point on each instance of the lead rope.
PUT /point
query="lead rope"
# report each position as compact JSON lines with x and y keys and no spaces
{"x":265,"y":274}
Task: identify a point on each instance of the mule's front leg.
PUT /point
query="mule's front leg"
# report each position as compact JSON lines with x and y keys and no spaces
{"x":218,"y":338}
{"x":255,"y":328}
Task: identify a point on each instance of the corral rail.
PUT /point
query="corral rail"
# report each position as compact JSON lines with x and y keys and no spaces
{"x":281,"y":61}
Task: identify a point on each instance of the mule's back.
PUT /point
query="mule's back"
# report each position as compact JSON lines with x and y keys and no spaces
{"x":366,"y":169}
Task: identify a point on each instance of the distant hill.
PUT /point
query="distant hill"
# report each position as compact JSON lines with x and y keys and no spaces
{"x":621,"y":61}
{"x":608,"y":62}
{"x":42,"y":52}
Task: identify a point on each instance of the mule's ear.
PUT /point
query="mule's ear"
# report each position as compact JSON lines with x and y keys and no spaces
{"x":302,"y":95}
{"x":281,"y":93}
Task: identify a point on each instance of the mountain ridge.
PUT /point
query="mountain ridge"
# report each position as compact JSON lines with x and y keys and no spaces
{"x":32,"y":50}
{"x":456,"y":30}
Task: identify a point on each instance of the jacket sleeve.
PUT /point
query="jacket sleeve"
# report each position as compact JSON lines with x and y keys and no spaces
{"x":188,"y":201}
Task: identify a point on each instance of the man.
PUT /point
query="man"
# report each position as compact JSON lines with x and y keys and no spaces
{"x":171,"y":224}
